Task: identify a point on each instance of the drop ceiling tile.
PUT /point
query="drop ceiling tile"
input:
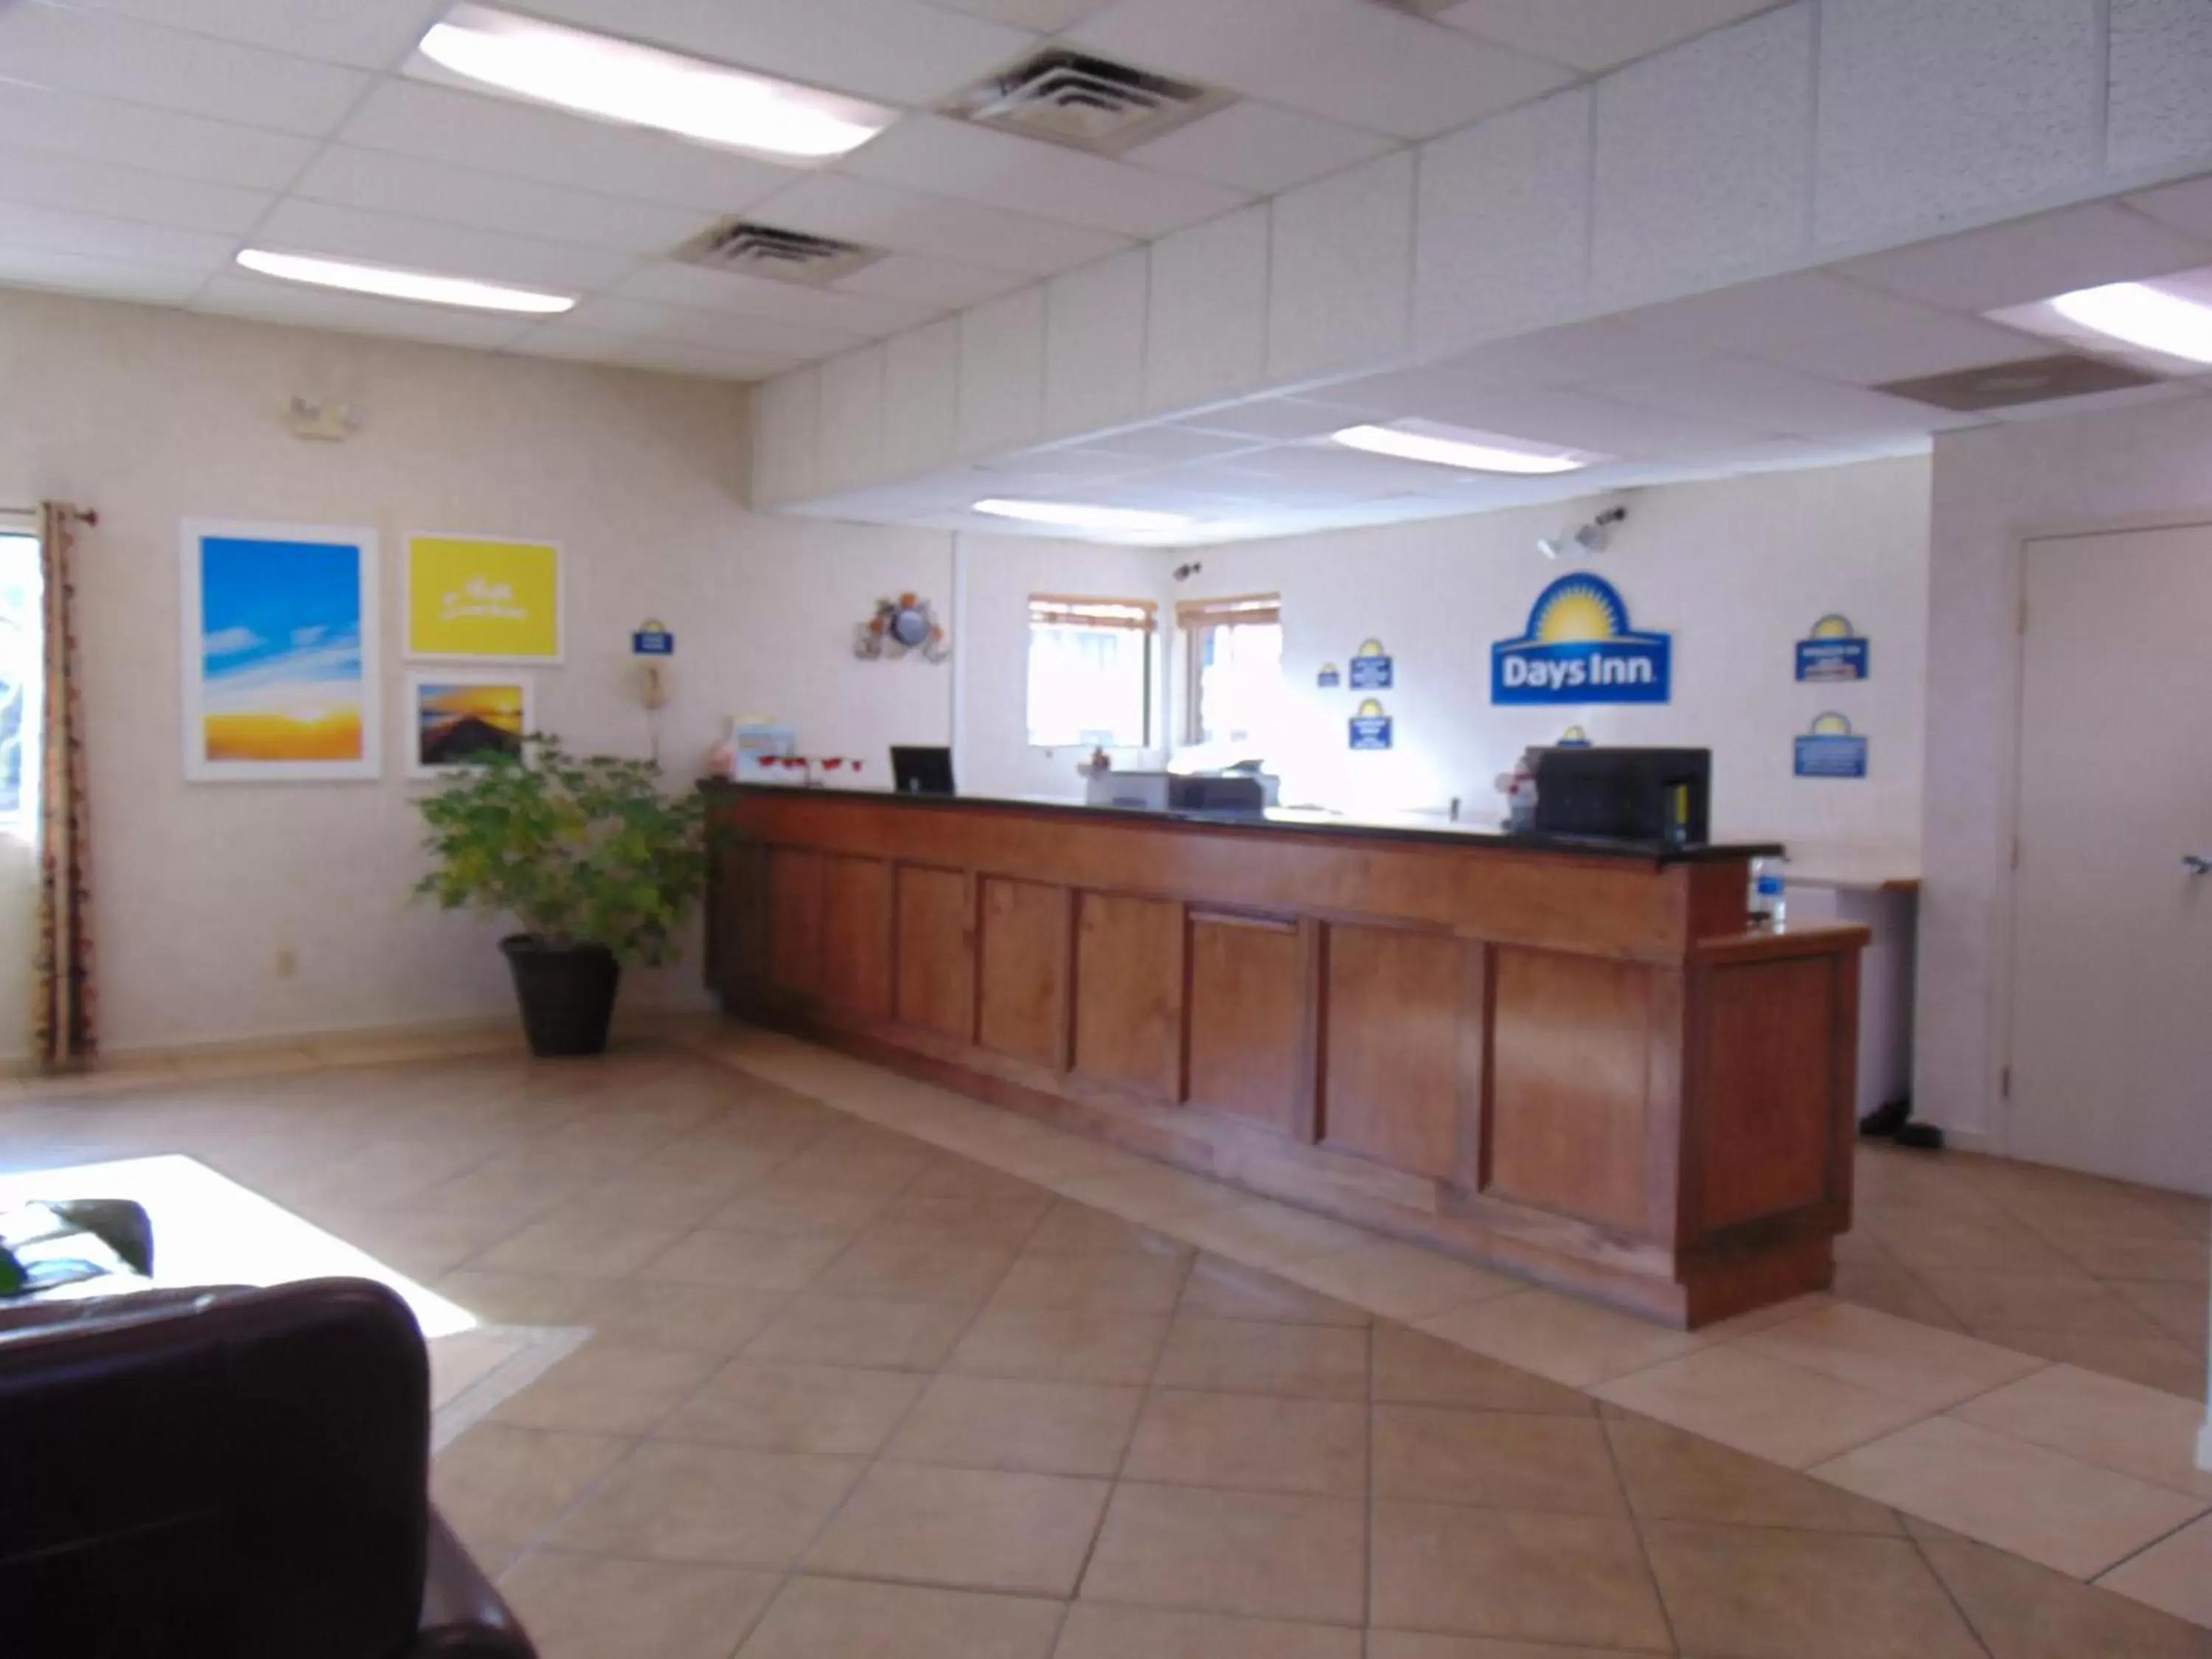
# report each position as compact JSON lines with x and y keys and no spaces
{"x":853,"y":417}
{"x":2032,"y":258}
{"x":245,"y":295}
{"x":2166,"y":391}
{"x":2161,"y":61}
{"x":1046,"y":17}
{"x":1046,"y":465}
{"x":114,"y":57}
{"x":1776,"y":401}
{"x":2185,"y":207}
{"x":1206,"y":323}
{"x":40,"y":179}
{"x":937,"y":285}
{"x":370,"y":35}
{"x":899,"y":50}
{"x":1002,"y":372}
{"x":952,"y":158}
{"x":106,"y":279}
{"x":913,"y":221}
{"x":563,"y":339}
{"x":1341,"y":276}
{"x":1596,"y":34}
{"x":1166,"y":442}
{"x":759,"y":336}
{"x":1260,"y":147}
{"x":699,"y":289}
{"x":405,"y":184}
{"x":44,"y":230}
{"x":1575,"y":354}
{"x":1094,"y":358}
{"x":921,"y":396}
{"x":345,"y":233}
{"x":1937,"y":346}
{"x":1274,"y":419}
{"x":1349,"y":60}
{"x":1796,"y":309}
{"x":502,"y":136}
{"x":160,"y":141}
{"x":1582,"y":420}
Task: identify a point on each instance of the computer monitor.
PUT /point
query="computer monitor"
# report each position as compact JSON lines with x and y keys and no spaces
{"x":1659,"y":795}
{"x":922,"y":771}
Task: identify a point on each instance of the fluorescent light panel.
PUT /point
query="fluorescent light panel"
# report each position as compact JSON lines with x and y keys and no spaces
{"x":597,"y":75}
{"x":2143,"y":315}
{"x":391,"y":283}
{"x":1457,"y":447}
{"x":1076,"y":515}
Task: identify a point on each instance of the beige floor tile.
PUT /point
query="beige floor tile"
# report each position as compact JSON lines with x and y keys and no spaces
{"x":2173,"y":1575}
{"x":998,"y":1423}
{"x":1413,"y":1645}
{"x":1106,"y":1283}
{"x":896,"y":1265}
{"x":1095,"y":1631}
{"x":2150,"y":1357}
{"x":1060,"y":1347}
{"x":1412,"y":1368}
{"x":2130,"y":1255}
{"x":1154,"y":1194}
{"x":2102,"y":1420}
{"x":805,"y":1208}
{"x":2181,"y":1310}
{"x":679,"y":1501}
{"x":1921,"y":1239}
{"x":968,"y":1529}
{"x":835,"y":1409}
{"x":1803,"y":1595}
{"x":1930,"y":1369}
{"x":1264,"y":1555}
{"x":709,"y":1319}
{"x":578,"y":1247}
{"x":1576,"y":1343}
{"x":1783,"y":1413}
{"x":836,"y":1618}
{"x":589,"y":1607}
{"x":1890,"y":1291}
{"x":1266,"y":1234}
{"x":1500,"y":1460}
{"x":2022,"y":1610}
{"x":507,"y":1486}
{"x":2071,"y":1300}
{"x":964,"y":1178}
{"x":1529,"y":1577}
{"x":1002,"y":1223}
{"x":1219,"y":1289}
{"x":1072,"y":1229}
{"x":742,"y":1261}
{"x":609,"y":1387}
{"x":1400,"y":1281}
{"x":1220,"y":1356}
{"x":1672,"y":1476}
{"x":2066,"y":1514}
{"x":873,"y":1331}
{"x":506,"y":1298}
{"x":1252,"y":1442}
{"x":871,"y":1160}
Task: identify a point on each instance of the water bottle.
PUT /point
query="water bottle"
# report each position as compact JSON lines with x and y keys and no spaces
{"x":1768,"y":893}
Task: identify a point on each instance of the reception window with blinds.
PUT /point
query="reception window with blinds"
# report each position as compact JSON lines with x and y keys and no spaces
{"x":1090,"y":671}
{"x":1235,"y":667}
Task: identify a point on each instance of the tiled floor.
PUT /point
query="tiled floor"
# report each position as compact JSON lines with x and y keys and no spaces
{"x":878,"y":1371}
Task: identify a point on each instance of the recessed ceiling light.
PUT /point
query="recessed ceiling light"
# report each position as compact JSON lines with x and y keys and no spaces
{"x":2143,"y":315}
{"x":1077,"y":516}
{"x":392,"y":283}
{"x":1448,"y":446}
{"x":645,"y":87}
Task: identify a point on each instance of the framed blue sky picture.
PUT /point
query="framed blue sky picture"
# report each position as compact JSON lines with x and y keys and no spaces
{"x":280,"y":653}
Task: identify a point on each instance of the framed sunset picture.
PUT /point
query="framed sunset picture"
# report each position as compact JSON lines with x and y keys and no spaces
{"x":453,"y":719}
{"x":280,"y":653}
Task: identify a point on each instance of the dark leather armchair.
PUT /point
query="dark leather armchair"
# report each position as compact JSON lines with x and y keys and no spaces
{"x":229,"y":1474}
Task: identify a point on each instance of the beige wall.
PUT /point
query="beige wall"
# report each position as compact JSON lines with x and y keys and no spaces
{"x":153,"y":416}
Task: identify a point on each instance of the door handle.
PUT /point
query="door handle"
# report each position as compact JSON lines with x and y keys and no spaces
{"x":2197,"y":863}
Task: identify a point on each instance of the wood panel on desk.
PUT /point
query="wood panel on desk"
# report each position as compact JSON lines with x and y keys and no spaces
{"x":1022,"y":971}
{"x":794,"y":920}
{"x":1129,"y":994}
{"x":1390,"y":1048}
{"x":936,"y":951}
{"x":736,"y":924}
{"x":856,"y":936}
{"x":1249,"y":1019}
{"x":1767,"y":1041}
{"x":1571,"y":1049}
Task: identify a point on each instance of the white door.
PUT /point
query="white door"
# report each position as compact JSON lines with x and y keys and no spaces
{"x":2111,"y":1018}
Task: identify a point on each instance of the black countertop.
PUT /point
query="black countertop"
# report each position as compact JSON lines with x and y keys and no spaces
{"x":1302,"y":821}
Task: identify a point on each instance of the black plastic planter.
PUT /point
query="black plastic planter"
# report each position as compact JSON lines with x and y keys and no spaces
{"x":567,"y":993}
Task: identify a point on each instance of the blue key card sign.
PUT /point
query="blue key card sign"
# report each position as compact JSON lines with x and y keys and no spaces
{"x":1329,"y":677}
{"x":1580,"y":648}
{"x":1371,"y":726}
{"x":653,"y":639}
{"x":1832,"y":750}
{"x":1372,"y":668}
{"x":1835,"y":651}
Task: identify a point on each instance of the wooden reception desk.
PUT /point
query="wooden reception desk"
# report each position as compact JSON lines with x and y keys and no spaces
{"x":1568,"y":1060}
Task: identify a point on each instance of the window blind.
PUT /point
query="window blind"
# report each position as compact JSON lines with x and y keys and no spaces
{"x":1061,"y":610}
{"x":1248,"y":608}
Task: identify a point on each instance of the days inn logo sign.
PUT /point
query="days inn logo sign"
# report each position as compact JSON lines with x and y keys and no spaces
{"x":1580,"y":648}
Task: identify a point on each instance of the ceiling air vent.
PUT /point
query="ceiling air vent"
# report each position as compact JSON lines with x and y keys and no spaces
{"x":2035,"y":380}
{"x":1088,"y":103}
{"x":783,"y":256}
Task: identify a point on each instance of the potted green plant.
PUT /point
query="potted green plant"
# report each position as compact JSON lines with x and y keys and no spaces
{"x":595,"y":862}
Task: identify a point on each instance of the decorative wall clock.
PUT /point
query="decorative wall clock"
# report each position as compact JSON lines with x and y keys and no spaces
{"x":899,"y":625}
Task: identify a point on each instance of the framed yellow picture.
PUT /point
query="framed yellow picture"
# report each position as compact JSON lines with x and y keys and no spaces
{"x":480,"y":599}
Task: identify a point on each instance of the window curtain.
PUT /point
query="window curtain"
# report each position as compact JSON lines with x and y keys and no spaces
{"x":63,"y":1033}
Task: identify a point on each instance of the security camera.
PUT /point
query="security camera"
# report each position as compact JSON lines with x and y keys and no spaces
{"x":1183,"y":573}
{"x":1592,"y":538}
